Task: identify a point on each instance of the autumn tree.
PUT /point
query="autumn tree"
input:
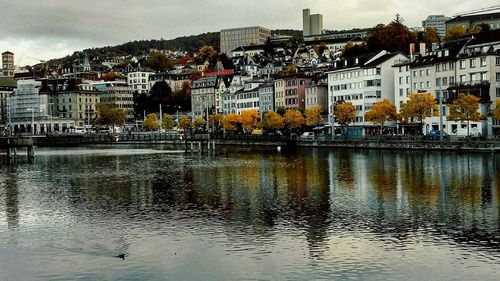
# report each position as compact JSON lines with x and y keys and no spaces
{"x":159,"y":62}
{"x":381,"y":112}
{"x":394,"y":37}
{"x":454,"y":32}
{"x":344,"y":113}
{"x":167,"y":122}
{"x":419,"y":106}
{"x":108,"y":116}
{"x":110,"y":76}
{"x":198,"y":123}
{"x":430,"y":36}
{"x":206,"y":53}
{"x":273,"y":121}
{"x":294,"y":119}
{"x":313,"y":115}
{"x":496,"y":111}
{"x":184,"y":122}
{"x":249,"y":119}
{"x":231,"y":122}
{"x":215,"y":120}
{"x":151,"y":122}
{"x":464,"y":108}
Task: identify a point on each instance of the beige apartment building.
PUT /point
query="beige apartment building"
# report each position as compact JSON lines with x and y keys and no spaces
{"x":233,"y":38}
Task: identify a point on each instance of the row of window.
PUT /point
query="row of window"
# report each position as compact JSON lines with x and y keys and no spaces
{"x":248,"y":104}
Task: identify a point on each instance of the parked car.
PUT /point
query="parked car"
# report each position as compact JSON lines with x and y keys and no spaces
{"x":436,"y":135}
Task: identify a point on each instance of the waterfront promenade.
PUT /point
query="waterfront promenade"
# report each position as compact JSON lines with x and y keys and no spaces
{"x":202,"y":141}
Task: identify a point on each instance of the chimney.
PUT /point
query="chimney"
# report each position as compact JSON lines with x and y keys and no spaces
{"x":434,"y":47}
{"x":412,"y":51}
{"x":422,"y":49}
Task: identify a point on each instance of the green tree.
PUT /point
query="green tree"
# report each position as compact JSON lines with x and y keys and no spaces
{"x":465,"y":108}
{"x":108,"y":116}
{"x":454,"y":32}
{"x":159,"y":62}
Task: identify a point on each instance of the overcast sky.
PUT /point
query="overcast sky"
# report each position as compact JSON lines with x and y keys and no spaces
{"x":44,"y":29}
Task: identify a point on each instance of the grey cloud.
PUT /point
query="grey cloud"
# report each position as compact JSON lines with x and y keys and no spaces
{"x":88,"y":23}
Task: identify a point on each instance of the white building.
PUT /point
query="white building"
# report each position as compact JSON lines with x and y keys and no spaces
{"x":138,"y":81}
{"x":248,"y":98}
{"x":437,"y":22}
{"x":206,"y":96}
{"x":363,"y":82}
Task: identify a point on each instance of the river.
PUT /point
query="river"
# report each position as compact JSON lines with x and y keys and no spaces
{"x":247,"y":214}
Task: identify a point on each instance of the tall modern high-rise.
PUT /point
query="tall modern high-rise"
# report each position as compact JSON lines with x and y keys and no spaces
{"x":233,"y":38}
{"x":8,"y":64}
{"x":437,"y":22}
{"x":312,"y":24}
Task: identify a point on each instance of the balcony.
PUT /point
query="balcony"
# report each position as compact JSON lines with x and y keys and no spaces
{"x":480,"y":89}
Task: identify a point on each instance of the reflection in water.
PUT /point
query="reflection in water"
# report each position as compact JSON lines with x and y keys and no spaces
{"x":314,"y":214}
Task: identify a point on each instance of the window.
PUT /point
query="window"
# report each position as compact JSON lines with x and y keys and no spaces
{"x":400,"y":80}
{"x":483,"y":77}
{"x":462,"y":64}
{"x":438,"y":82}
{"x":482,"y":61}
{"x":400,"y":92}
{"x":421,"y":73}
{"x":462,"y":78}
{"x":445,"y":81}
{"x":472,"y":63}
{"x":444,"y":66}
{"x":427,"y":72}
{"x":498,"y":76}
{"x":428,"y":84}
{"x":452,"y":66}
{"x":438,"y":67}
{"x":498,"y":92}
{"x":497,"y":60}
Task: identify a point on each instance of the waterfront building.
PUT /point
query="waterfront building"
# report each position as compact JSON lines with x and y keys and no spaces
{"x":312,"y":24}
{"x":7,"y":87}
{"x":295,"y":91}
{"x":206,"y":95}
{"x":228,"y":97}
{"x":363,"y":81}
{"x":70,"y":99}
{"x":8,"y":64}
{"x":116,"y":94}
{"x":248,"y":98}
{"x":233,"y":38}
{"x":266,"y":97}
{"x":470,"y":21}
{"x":27,"y":109}
{"x":469,"y":65}
{"x":138,"y":80}
{"x":279,"y":93}
{"x":438,"y":22}
{"x":317,"y":93}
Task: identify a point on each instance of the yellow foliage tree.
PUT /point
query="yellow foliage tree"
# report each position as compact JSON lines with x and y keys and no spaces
{"x":344,"y":112}
{"x":420,"y":106}
{"x":199,"y":122}
{"x":151,"y":122}
{"x":231,"y":122}
{"x":313,"y":115}
{"x":496,"y":111}
{"x":273,"y":121}
{"x":184,"y":122}
{"x":215,"y":120}
{"x":167,"y":122}
{"x":381,"y":112}
{"x":294,"y":119}
{"x":249,"y":119}
{"x":465,"y":108}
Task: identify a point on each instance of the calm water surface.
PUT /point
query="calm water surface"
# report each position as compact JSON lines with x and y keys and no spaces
{"x":250,"y":215}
